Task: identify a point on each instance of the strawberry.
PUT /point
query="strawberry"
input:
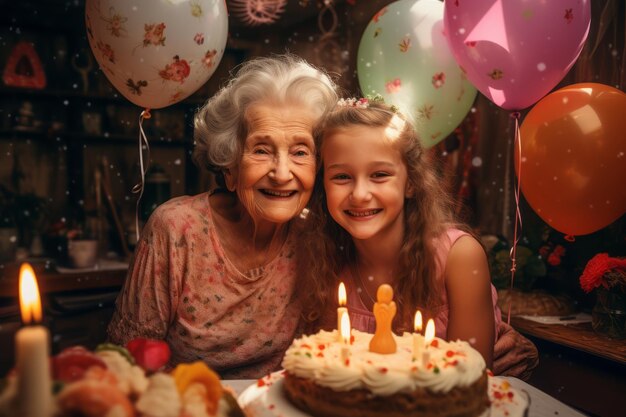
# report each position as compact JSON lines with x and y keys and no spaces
{"x":71,"y":363}
{"x":150,"y":354}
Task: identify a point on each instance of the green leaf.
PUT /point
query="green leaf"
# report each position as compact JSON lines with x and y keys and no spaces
{"x":522,"y":256}
{"x":536,"y":267}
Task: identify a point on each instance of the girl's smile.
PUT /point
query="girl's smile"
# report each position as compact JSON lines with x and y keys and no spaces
{"x":362,"y":214}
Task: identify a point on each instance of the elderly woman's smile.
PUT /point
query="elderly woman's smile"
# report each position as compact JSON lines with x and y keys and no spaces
{"x":276,"y":173}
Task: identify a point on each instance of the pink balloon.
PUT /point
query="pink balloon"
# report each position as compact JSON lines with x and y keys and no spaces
{"x":516,"y":51}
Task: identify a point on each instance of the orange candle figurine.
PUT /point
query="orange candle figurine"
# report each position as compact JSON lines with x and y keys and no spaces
{"x":384,"y":312}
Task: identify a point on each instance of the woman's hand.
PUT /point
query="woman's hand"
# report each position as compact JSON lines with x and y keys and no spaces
{"x":513,"y":354}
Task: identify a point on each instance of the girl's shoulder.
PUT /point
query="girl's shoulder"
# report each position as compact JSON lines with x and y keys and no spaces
{"x":449,"y":237}
{"x":454,"y":240}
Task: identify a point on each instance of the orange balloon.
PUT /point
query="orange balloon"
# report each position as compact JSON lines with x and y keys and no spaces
{"x":573,"y":150}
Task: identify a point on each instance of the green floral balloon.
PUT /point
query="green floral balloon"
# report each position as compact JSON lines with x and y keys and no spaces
{"x":404,"y":56}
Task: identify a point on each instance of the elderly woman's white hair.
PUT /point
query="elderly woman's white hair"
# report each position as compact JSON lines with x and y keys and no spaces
{"x":221,"y":125}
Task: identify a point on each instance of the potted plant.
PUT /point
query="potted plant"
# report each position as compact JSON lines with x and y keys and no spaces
{"x":537,"y":257}
{"x":607,"y":276}
{"x":82,"y":249}
{"x":72,"y":244}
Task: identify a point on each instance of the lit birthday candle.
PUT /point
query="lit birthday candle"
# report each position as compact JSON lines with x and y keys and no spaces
{"x":32,"y":343}
{"x":341,"y":310}
{"x":344,"y":331}
{"x":418,"y":340}
{"x":429,"y":335}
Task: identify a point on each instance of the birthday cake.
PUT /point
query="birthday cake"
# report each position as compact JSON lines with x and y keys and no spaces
{"x":322,"y":380}
{"x":266,"y":398}
{"x":117,"y":382}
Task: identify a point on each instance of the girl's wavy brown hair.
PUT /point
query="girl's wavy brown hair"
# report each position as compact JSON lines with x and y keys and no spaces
{"x":327,"y":249}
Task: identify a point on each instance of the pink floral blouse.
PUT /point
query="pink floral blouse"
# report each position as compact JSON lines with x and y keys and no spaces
{"x":363,"y":319}
{"x":183,"y":289}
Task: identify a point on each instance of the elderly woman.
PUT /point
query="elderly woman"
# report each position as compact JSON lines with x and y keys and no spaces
{"x":214,"y":274}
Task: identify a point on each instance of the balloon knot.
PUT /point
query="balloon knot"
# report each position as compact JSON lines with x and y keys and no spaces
{"x":569,"y":238}
{"x":515,"y":115}
{"x":146,"y":114}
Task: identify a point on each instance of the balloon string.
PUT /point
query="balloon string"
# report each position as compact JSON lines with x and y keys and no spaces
{"x":138,"y":188}
{"x":518,"y":217}
{"x":327,"y":33}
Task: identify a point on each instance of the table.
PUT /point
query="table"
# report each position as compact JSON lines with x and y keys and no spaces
{"x":541,"y":404}
{"x":578,"y":366}
{"x":576,"y":336}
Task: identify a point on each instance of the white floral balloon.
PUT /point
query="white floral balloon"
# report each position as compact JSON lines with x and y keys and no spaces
{"x":157,"y":52}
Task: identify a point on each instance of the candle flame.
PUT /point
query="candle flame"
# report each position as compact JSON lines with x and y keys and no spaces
{"x":345,"y":328}
{"x":342,"y":294}
{"x":30,"y":302}
{"x":429,"y":335}
{"x":418,"y":321}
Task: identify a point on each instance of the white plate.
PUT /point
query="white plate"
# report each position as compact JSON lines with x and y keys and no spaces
{"x":265,"y":398}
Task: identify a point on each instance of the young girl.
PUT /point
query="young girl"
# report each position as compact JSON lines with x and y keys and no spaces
{"x":379,"y":215}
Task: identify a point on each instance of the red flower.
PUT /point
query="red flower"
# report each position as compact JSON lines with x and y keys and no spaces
{"x":559,"y":250}
{"x":596,"y":269}
{"x":178,"y":70}
{"x":439,"y":79}
{"x":554,"y":259}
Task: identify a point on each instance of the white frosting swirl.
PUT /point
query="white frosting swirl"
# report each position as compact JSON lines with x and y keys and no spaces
{"x":131,"y":379}
{"x":161,"y":398}
{"x":318,"y":357}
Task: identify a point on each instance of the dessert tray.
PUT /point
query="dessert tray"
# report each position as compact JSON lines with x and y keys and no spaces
{"x":265,"y":398}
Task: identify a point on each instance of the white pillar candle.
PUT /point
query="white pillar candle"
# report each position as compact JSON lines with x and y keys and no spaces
{"x":34,"y":392}
{"x":32,"y":363}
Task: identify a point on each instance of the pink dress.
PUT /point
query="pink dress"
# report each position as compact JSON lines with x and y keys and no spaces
{"x":182,"y":288}
{"x":363,"y":319}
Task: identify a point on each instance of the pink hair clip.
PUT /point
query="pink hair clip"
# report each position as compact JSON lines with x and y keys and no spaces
{"x":361,"y":103}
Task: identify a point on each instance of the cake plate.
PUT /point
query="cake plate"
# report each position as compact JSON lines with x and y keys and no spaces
{"x":265,"y":398}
